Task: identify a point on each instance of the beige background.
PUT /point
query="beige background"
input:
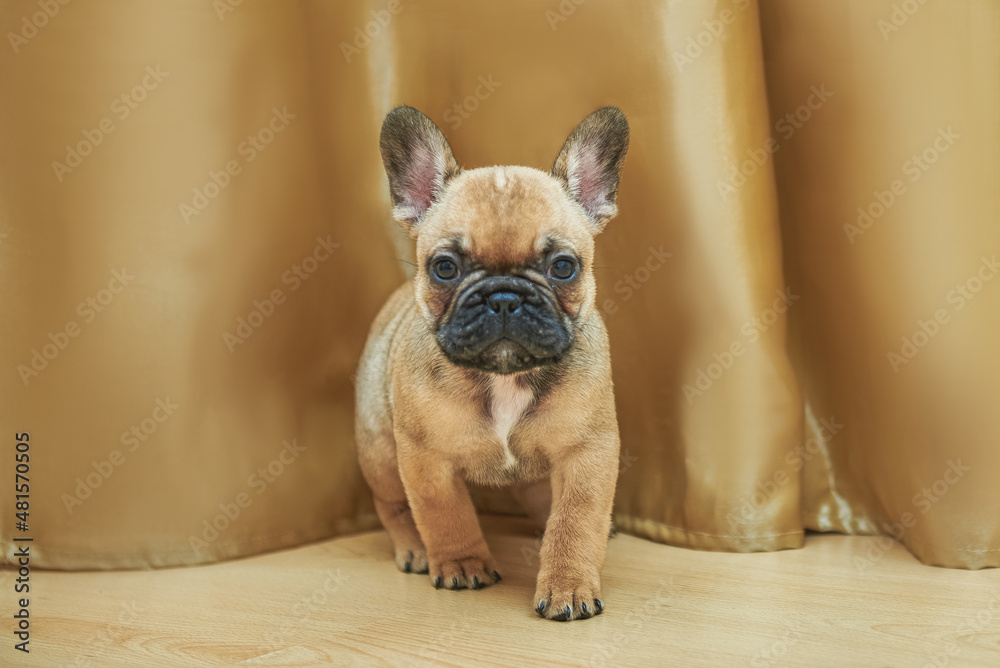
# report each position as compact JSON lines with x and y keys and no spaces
{"x":706,"y":86}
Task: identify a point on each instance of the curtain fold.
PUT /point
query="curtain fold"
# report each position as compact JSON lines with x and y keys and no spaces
{"x":889,"y":205}
{"x":195,"y":236}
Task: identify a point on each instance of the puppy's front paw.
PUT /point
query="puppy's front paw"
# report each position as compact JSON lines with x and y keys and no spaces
{"x":565,"y":598}
{"x":412,"y":561}
{"x":466,"y":573}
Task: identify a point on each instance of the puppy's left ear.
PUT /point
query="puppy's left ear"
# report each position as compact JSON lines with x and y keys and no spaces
{"x":590,"y":163}
{"x":418,"y":162}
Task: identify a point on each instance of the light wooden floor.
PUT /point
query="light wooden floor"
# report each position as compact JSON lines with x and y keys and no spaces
{"x":344,"y":602}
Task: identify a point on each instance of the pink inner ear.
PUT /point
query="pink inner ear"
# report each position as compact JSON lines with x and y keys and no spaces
{"x":422,"y":179}
{"x":587,"y":180}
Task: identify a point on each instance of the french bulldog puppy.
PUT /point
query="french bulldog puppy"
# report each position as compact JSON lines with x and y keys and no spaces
{"x":492,"y":365}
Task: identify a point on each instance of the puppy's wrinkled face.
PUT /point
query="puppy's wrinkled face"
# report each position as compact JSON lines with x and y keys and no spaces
{"x":504,"y":254}
{"x":505,"y":269}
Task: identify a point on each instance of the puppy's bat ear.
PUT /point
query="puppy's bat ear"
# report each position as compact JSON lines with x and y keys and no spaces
{"x":418,"y":161}
{"x":590,"y":163}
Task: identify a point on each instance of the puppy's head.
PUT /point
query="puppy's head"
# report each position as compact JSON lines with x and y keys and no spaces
{"x":504,"y":254}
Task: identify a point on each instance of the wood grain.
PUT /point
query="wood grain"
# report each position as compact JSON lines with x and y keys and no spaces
{"x":343,"y":602}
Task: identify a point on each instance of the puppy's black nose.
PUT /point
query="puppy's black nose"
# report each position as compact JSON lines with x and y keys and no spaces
{"x":508,"y":302}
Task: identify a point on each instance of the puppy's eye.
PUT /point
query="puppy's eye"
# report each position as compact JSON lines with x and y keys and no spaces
{"x":563,"y":269}
{"x":445,"y":269}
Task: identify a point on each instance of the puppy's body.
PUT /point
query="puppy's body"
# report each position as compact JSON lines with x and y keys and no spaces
{"x":495,"y":430}
{"x":498,"y":375}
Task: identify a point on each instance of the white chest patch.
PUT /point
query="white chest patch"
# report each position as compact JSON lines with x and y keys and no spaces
{"x":508,"y":402}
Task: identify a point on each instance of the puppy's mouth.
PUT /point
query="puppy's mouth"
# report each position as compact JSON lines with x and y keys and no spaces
{"x":505,"y":324}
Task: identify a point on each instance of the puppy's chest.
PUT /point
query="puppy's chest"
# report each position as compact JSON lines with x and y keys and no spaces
{"x":503,"y":458}
{"x":508,"y":402}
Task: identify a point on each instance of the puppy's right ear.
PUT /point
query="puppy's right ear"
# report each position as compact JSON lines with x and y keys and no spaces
{"x":417,"y":160}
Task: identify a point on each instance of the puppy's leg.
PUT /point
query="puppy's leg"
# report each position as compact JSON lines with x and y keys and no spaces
{"x":397,"y":518}
{"x":378,"y":463}
{"x":576,"y":536}
{"x":535,"y":500}
{"x":456,"y":550}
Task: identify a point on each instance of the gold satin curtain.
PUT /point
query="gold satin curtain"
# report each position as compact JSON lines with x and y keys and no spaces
{"x":800,"y":293}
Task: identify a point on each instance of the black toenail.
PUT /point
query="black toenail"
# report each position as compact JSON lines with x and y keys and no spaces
{"x":540,"y":608}
{"x":599,"y":605}
{"x":583,"y":606}
{"x":497,"y":576}
{"x":437,"y":583}
{"x":454,"y":582}
{"x":475,"y":582}
{"x":406,"y":567}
